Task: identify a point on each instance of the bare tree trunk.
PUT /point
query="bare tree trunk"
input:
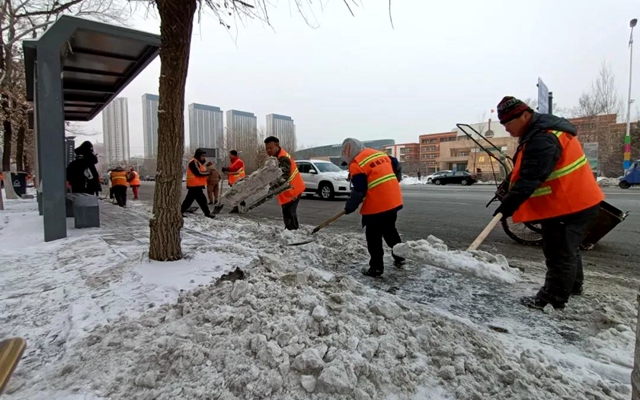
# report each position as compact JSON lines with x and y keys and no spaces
{"x":176,"y":25}
{"x":20,"y":148}
{"x":8,"y":136}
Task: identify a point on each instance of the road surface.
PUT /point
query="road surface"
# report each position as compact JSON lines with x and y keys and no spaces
{"x":457,"y":214}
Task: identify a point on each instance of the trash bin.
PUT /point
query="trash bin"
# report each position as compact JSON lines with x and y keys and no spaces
{"x":608,"y":218}
{"x":19,"y":181}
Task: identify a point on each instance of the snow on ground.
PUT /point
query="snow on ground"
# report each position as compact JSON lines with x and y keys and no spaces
{"x":412,"y":181}
{"x":103,"y":322}
{"x":608,"y":182}
{"x":434,"y":251}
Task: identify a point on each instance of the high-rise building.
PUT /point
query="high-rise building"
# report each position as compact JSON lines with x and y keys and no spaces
{"x":115,"y":129}
{"x":282,"y":127}
{"x":150,"y":124}
{"x":242,"y":130}
{"x":205,"y":127}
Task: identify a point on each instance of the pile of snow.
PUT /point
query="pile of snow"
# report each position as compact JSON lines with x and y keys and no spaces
{"x":100,"y":319}
{"x":412,"y":181}
{"x":287,"y":334}
{"x":433,"y":251}
{"x":608,"y":182}
{"x":487,"y":183}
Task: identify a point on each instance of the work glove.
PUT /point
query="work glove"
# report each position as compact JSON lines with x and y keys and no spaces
{"x":348,"y":211}
{"x":507,"y":208}
{"x":224,"y":169}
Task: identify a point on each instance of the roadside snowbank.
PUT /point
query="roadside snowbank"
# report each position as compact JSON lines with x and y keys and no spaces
{"x":101,"y":320}
{"x":412,"y":181}
{"x":282,"y":333}
{"x":608,"y":182}
{"x":433,"y":251}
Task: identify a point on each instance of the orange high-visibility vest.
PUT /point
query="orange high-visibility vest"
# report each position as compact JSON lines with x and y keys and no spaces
{"x":570,"y":188}
{"x":192,"y":179}
{"x":238,"y":171}
{"x":136,"y":179}
{"x":118,"y":178}
{"x":295,"y":180}
{"x":383,"y":191}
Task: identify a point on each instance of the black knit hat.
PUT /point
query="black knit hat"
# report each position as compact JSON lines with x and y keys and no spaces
{"x":511,"y":108}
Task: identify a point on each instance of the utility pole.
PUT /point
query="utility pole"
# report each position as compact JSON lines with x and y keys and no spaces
{"x":550,"y":102}
{"x":627,"y":137}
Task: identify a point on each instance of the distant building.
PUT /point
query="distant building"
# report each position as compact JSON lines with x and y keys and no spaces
{"x":430,"y":149}
{"x":408,"y":154}
{"x":332,"y":151}
{"x":150,"y":124}
{"x":282,"y":127}
{"x":242,"y":130}
{"x":115,"y":129}
{"x":206,"y":128}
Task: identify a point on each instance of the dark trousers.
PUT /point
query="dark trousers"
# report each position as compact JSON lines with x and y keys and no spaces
{"x":378,"y":227}
{"x":290,"y":214}
{"x":120,"y":193}
{"x":561,"y":238}
{"x":198,"y":195}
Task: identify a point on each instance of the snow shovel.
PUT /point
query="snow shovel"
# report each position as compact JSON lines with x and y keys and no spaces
{"x":485,"y":232}
{"x":321,"y":226}
{"x":10,"y":352}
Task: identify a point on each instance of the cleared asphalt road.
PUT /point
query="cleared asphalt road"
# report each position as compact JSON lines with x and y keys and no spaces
{"x":457,"y":215}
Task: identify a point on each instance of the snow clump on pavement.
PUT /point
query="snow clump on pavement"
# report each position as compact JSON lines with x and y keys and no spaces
{"x":412,"y":181}
{"x":290,"y":334}
{"x":481,"y":264}
{"x":608,"y":182}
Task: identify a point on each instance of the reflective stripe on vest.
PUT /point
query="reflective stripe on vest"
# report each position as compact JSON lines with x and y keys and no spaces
{"x":571,"y":186}
{"x":383,"y":189}
{"x":118,"y":178}
{"x":295,"y":181}
{"x":194,"y":181}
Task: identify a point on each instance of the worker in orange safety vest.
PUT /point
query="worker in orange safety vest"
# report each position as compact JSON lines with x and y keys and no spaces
{"x":134,"y":182}
{"x":290,"y":198}
{"x":551,"y":183}
{"x":235,"y":169}
{"x":119,"y":185}
{"x":375,"y":177}
{"x":197,"y":174}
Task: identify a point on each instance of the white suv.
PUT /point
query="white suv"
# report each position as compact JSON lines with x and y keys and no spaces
{"x":324,"y":178}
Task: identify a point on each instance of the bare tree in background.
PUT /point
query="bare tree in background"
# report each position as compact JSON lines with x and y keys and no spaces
{"x":176,"y":25}
{"x":597,"y":125}
{"x":25,"y":19}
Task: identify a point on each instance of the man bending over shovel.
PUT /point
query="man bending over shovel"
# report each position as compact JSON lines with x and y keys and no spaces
{"x":375,"y":177}
{"x":551,"y":183}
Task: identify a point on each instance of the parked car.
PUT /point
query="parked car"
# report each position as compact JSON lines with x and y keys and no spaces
{"x":446,"y":177}
{"x":324,"y":178}
{"x":429,"y":178}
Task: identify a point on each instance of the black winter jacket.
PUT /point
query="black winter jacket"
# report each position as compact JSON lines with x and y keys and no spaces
{"x":540,"y":152}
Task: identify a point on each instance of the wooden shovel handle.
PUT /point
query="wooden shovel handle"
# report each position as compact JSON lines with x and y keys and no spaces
{"x":485,"y":232}
{"x":327,"y":222}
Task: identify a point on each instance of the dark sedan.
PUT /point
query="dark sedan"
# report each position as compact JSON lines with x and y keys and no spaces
{"x":460,"y":177}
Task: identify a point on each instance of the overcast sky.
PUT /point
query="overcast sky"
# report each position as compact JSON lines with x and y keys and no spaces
{"x":444,"y":63}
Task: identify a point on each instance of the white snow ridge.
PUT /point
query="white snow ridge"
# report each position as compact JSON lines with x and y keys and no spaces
{"x":434,"y":252}
{"x":283,"y":334}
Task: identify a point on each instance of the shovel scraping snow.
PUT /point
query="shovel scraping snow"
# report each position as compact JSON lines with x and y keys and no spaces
{"x":321,"y":226}
{"x":485,"y":232}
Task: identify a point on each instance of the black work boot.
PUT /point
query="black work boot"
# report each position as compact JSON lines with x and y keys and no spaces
{"x":372,"y":272}
{"x":577,"y":291}
{"x":234,"y":210}
{"x":398,"y":261}
{"x":537,"y":303}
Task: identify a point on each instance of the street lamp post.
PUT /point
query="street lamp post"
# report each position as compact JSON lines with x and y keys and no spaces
{"x":627,"y":138}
